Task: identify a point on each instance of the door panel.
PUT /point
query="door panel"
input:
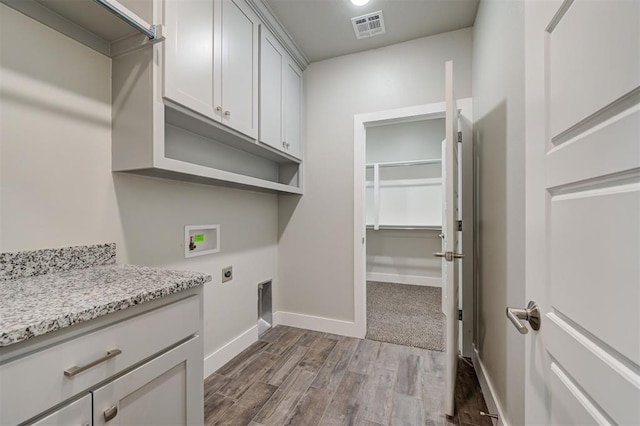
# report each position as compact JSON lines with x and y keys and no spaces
{"x":293,"y":109}
{"x":450,"y":243}
{"x":239,"y":68}
{"x":583,"y":205}
{"x":597,"y":372}
{"x":588,"y":277}
{"x":570,"y":405}
{"x":588,"y":54}
{"x":270,"y":91}
{"x":188,"y":52}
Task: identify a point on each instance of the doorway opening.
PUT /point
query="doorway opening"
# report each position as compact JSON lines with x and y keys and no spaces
{"x":403,"y":194}
{"x":397,"y":228}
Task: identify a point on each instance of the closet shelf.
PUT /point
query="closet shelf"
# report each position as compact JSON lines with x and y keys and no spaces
{"x":94,"y":23}
{"x":406,"y":227}
{"x":406,"y":163}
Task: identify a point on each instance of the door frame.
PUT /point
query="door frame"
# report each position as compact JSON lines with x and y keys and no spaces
{"x":403,"y":115}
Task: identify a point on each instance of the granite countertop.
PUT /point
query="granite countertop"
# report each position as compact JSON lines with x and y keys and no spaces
{"x":39,"y":304}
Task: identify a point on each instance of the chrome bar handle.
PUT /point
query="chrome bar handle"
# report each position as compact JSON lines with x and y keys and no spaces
{"x":110,"y":413}
{"x":530,"y":314}
{"x":72,"y":371}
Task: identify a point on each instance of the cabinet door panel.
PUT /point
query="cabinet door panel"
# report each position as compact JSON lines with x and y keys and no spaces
{"x":270,"y":91}
{"x":293,"y":109}
{"x":76,"y":413}
{"x":188,"y":78}
{"x":165,"y":391}
{"x":239,"y":68}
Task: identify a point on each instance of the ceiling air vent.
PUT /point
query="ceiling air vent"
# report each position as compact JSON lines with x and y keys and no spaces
{"x":368,"y":25}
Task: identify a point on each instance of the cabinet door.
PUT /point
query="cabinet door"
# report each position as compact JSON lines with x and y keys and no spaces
{"x":293,"y":109}
{"x":271,"y":60}
{"x":238,"y":67}
{"x":167,"y":390}
{"x":76,"y":413}
{"x":188,"y":51}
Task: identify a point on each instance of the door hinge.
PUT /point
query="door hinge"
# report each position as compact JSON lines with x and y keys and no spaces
{"x":459,"y":314}
{"x":459,"y":137}
{"x":459,"y":225}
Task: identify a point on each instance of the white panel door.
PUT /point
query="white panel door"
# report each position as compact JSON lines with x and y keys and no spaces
{"x":271,"y":60}
{"x":450,"y":241}
{"x":188,"y":50}
{"x":583,"y":211}
{"x":238,"y":55}
{"x":292,"y":109}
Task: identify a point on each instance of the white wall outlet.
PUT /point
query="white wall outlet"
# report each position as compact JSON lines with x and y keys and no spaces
{"x":227,"y":274}
{"x":201,"y":239}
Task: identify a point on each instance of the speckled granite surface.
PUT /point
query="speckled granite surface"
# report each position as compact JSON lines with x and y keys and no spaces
{"x":39,"y":262}
{"x":37,"y":305}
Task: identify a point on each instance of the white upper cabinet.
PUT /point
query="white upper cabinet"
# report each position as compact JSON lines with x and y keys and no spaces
{"x":292,"y":78}
{"x":271,"y":96}
{"x":216,"y":102}
{"x":280,"y":97}
{"x":211,"y":60}
{"x":236,"y":66}
{"x":189,"y":55}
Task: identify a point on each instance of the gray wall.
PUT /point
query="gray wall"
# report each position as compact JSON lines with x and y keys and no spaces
{"x":498,"y":110}
{"x":316,"y":230}
{"x":58,"y":189}
{"x":416,"y":140}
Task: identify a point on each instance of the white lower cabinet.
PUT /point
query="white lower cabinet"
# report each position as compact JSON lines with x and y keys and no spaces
{"x":76,"y":413}
{"x":164,"y":391}
{"x":139,"y":366}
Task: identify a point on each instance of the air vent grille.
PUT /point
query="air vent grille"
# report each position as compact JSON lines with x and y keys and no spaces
{"x":368,"y":25}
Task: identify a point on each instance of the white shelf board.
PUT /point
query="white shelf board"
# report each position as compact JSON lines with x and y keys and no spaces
{"x":179,"y":170}
{"x":85,"y":21}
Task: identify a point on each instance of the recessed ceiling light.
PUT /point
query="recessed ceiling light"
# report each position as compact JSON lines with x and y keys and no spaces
{"x":360,"y":2}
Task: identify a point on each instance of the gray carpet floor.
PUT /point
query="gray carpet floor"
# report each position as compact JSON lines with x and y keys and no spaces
{"x":408,"y":315}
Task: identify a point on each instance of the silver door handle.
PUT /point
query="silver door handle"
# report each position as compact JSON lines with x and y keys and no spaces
{"x":449,"y":255}
{"x":72,"y":371}
{"x":531,"y":314}
{"x":110,"y":413}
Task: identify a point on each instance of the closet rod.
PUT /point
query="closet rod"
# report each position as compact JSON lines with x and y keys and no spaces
{"x":407,"y":163}
{"x":406,"y":228}
{"x":152,"y":32}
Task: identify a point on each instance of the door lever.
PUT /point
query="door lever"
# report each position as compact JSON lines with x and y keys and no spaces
{"x":531,"y":314}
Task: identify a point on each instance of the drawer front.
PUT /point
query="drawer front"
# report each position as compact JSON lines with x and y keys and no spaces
{"x":36,"y":382}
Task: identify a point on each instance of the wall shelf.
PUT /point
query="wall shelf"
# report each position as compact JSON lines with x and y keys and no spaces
{"x":94,"y":23}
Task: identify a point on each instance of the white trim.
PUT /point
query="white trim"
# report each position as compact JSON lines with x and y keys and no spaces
{"x":229,"y":350}
{"x":310,"y":322}
{"x":488,"y":390}
{"x":405,"y":279}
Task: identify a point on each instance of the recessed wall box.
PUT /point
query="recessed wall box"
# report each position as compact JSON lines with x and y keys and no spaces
{"x":201,"y":239}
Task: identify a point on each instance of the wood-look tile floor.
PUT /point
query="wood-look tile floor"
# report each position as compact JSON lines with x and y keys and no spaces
{"x":293,"y":376}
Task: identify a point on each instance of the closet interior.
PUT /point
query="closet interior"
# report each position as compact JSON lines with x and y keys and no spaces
{"x":404,"y":190}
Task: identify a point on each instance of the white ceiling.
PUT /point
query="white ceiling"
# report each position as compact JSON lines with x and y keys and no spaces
{"x":322,"y":28}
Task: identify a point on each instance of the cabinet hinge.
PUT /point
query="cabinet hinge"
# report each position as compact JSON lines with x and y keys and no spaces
{"x":459,"y":225}
{"x":459,"y":137}
{"x":459,"y":314}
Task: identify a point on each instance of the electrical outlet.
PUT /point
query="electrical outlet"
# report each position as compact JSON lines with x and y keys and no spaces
{"x":227,"y":274}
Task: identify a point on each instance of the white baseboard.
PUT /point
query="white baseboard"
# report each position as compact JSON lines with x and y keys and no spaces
{"x":405,"y":279}
{"x":488,"y":390}
{"x":310,"y":322}
{"x":229,"y":350}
